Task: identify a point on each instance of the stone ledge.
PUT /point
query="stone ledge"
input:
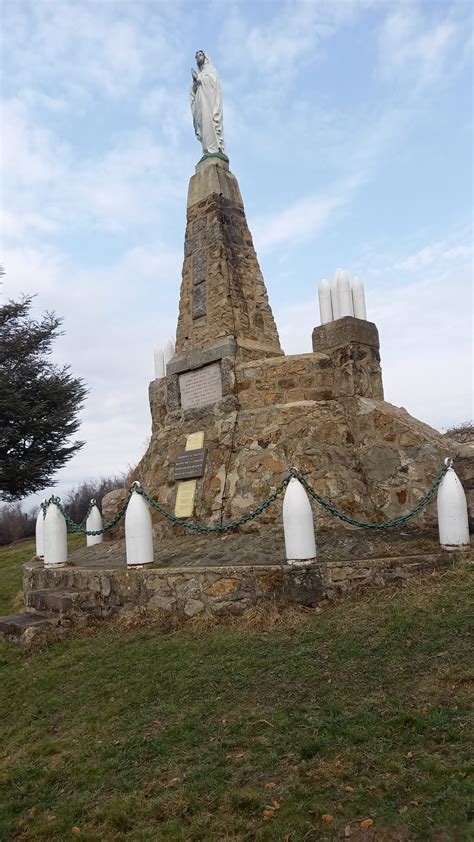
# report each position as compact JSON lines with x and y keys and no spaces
{"x":213,"y":176}
{"x":344,"y":332}
{"x":202,"y":356}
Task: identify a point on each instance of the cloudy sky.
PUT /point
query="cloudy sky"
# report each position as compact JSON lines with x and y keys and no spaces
{"x":348,"y":124}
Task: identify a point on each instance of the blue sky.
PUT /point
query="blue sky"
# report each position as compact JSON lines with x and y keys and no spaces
{"x":349,"y":127}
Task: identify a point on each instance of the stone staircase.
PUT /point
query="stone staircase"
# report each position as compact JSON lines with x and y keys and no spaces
{"x":49,"y":613}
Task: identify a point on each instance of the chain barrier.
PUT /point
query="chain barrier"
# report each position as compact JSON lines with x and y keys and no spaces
{"x":388,"y":524}
{"x":223,"y":527}
{"x":234,"y":524}
{"x":78,"y":527}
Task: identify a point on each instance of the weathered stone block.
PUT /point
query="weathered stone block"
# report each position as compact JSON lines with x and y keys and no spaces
{"x":164,"y":603}
{"x":190,"y":245}
{"x":199,"y":301}
{"x":222,"y":587}
{"x":173,"y":395}
{"x":344,"y":332}
{"x":199,"y":266}
{"x":199,"y":224}
{"x":193,"y":607}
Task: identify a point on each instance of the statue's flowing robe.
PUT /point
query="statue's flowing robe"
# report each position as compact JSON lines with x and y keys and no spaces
{"x":206,"y":107}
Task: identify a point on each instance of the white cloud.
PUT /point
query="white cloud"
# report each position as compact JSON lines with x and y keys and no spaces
{"x":293,"y":36}
{"x":412,"y":50}
{"x":302,"y":220}
{"x":90,"y":49}
{"x":48,"y":186}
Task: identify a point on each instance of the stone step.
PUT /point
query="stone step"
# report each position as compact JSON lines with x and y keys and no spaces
{"x":60,"y":601}
{"x":21,"y":628}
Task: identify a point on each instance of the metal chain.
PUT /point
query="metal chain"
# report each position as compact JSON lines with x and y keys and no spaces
{"x":223,"y":527}
{"x":78,"y":527}
{"x":234,"y":524}
{"x":388,"y":524}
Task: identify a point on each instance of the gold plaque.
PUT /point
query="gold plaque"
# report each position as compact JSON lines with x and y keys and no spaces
{"x":195,"y":441}
{"x":184,"y":504}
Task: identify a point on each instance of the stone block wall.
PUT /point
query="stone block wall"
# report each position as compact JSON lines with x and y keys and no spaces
{"x":338,"y":373}
{"x":215,"y":591}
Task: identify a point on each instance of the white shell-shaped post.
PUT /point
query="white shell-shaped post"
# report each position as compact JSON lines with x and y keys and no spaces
{"x":453,"y":521}
{"x":344,"y":295}
{"x":358,"y":299}
{"x":168,"y":352}
{"x":55,"y":537}
{"x":138,"y":531}
{"x":159,"y":363}
{"x":298,"y":524}
{"x":334,"y":301}
{"x":325,"y":306}
{"x":93,"y":523}
{"x":39,"y":533}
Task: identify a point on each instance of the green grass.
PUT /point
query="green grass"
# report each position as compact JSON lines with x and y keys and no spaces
{"x":359,"y":712}
{"x":12,"y":558}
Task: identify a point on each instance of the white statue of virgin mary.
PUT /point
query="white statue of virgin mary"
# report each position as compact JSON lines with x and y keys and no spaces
{"x":206,"y":106}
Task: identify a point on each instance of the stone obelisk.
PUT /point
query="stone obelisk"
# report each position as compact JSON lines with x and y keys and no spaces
{"x":223,"y":294}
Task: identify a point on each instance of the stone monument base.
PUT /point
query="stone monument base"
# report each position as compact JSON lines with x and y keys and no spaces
{"x":225,"y":576}
{"x":322,"y":412}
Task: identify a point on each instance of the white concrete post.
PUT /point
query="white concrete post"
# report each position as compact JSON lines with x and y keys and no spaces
{"x":138,"y":531}
{"x":358,"y":299}
{"x":298,"y":524}
{"x":453,"y":521}
{"x":159,"y":363}
{"x":325,"y":306}
{"x":94,"y":522}
{"x":39,"y":533}
{"x":55,"y":537}
{"x":344,"y":295}
{"x":334,"y":301}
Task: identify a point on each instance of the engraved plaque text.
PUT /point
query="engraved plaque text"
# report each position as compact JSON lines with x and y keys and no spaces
{"x":201,"y":387}
{"x":190,"y":464}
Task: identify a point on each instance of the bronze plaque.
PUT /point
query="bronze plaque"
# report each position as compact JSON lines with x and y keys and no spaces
{"x":191,"y":464}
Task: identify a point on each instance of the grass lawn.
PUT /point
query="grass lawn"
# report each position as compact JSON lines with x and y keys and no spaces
{"x":359,"y":714}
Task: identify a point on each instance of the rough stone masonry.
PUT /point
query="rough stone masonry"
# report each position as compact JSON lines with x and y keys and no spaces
{"x":261,"y":411}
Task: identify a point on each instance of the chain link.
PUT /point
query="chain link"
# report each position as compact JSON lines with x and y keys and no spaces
{"x":223,"y":527}
{"x":234,"y":524}
{"x":78,"y":527}
{"x":388,"y":524}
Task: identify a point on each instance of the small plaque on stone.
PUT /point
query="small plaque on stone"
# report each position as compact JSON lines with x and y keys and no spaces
{"x":184,"y":504}
{"x":201,"y":387}
{"x":191,"y":464}
{"x":194,"y":441}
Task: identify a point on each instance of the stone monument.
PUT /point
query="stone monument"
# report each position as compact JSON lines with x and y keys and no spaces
{"x":230,"y":393}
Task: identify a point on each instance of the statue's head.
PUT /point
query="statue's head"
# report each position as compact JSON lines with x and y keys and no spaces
{"x":200,"y":58}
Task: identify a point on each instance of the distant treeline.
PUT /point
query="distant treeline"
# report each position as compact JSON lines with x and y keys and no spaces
{"x":16,"y":524}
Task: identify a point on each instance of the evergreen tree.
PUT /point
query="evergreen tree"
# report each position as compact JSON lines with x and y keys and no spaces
{"x":39,"y":402}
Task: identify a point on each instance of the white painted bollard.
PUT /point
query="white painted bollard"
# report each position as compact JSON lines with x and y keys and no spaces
{"x":93,"y":523}
{"x":358,"y":299}
{"x":138,"y":531}
{"x":325,"y":306}
{"x":159,"y":364}
{"x":55,"y":537}
{"x":39,"y":532}
{"x":298,"y":524}
{"x":168,"y":352}
{"x":453,"y":520}
{"x":344,"y":295}
{"x":334,"y":301}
